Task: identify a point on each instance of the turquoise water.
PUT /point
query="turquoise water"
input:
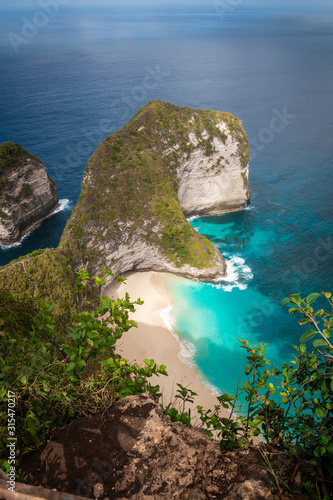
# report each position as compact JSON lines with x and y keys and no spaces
{"x":267,"y":260}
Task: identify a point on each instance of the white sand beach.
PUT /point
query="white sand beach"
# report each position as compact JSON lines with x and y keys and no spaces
{"x":153,"y":340}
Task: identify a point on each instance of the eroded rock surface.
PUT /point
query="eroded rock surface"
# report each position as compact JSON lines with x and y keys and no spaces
{"x":133,"y":451}
{"x":27,"y":194}
{"x":216,"y":183}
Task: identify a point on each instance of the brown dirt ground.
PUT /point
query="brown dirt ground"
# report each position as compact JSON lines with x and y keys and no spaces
{"x":92,"y":454}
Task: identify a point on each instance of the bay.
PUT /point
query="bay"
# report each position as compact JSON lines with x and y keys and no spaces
{"x":83,"y":76}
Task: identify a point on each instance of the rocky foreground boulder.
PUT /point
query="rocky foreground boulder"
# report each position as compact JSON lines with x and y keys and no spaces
{"x":27,"y":194}
{"x":134,"y":451}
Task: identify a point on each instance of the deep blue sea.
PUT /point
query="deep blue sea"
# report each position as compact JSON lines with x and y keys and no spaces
{"x":71,"y":82}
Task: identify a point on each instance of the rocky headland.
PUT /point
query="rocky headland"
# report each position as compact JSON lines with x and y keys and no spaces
{"x":27,"y":194}
{"x":166,"y":164}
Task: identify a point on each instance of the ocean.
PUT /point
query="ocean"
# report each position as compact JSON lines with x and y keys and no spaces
{"x":82,"y":74}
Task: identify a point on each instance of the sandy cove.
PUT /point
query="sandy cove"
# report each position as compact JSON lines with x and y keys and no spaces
{"x":153,"y":340}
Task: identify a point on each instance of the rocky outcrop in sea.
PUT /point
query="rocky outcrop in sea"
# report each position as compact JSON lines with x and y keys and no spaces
{"x":166,"y":164}
{"x":27,"y":194}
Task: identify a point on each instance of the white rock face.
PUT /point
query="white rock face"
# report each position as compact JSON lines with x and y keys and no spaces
{"x":213,"y":184}
{"x":27,"y":196}
{"x":136,"y":254}
{"x":142,"y":256}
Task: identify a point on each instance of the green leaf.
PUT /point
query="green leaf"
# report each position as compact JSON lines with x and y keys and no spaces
{"x":317,"y":451}
{"x":296,"y":298}
{"x":246,"y":386}
{"x":162,"y":369}
{"x":285,"y":301}
{"x":302,"y":348}
{"x":106,"y":302}
{"x":258,"y":420}
{"x":70,"y":366}
{"x":320,"y":343}
{"x":248,"y":370}
{"x":307,"y":335}
{"x":311,"y":298}
{"x":330,"y":447}
{"x":320,"y":412}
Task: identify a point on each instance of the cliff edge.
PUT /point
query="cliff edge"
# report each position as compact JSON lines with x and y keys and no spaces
{"x":135,"y":452}
{"x":167,"y":163}
{"x":27,"y":194}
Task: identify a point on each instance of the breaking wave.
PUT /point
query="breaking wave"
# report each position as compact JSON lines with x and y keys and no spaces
{"x":239,"y":274}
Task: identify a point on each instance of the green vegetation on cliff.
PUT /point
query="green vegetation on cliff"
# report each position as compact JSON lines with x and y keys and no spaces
{"x":9,"y":156}
{"x":46,"y":368}
{"x":10,"y":152}
{"x":131,"y":180}
{"x":44,"y":275}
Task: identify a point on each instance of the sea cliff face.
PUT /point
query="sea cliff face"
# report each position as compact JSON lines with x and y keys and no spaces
{"x":27,"y":194}
{"x":167,"y":163}
{"x":214,"y":183}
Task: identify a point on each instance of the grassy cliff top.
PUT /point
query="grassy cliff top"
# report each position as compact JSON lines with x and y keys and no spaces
{"x":131,"y":180}
{"x":45,"y":275}
{"x":10,"y":153}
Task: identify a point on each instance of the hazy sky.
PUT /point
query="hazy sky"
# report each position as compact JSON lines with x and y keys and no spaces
{"x":179,"y":3}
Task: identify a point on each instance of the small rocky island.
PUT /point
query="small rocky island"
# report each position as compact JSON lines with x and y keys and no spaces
{"x":27,"y":194}
{"x":166,"y":164}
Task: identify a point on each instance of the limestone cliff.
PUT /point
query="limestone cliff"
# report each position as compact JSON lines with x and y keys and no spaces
{"x":168,"y":162}
{"x":27,"y":194}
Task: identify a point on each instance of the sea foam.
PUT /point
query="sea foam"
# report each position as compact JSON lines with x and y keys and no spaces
{"x":238,"y":275}
{"x":63,"y":205}
{"x":187,"y":349}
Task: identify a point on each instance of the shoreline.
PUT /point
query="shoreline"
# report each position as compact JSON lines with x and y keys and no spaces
{"x":153,"y":339}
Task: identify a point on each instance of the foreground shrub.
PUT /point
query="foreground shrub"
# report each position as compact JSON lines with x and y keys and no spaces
{"x":50,"y":376}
